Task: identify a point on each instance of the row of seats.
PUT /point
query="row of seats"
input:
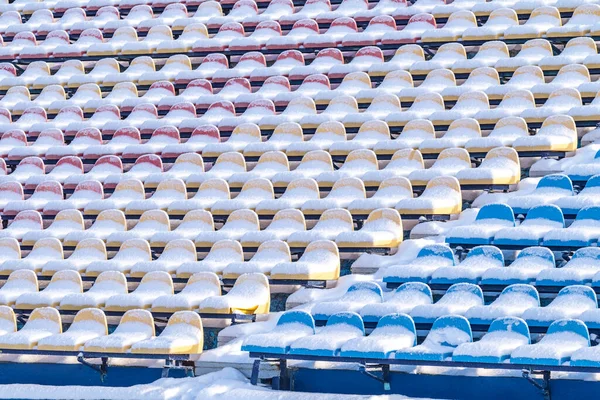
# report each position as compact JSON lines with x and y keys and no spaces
{"x":135,"y":333}
{"x":485,"y":265}
{"x":202,"y":293}
{"x":465,"y":299}
{"x":319,"y":261}
{"x":450,"y":339}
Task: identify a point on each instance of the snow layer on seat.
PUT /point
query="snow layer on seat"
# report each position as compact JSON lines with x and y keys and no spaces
{"x":428,"y":259}
{"x":106,"y":285}
{"x":221,"y":254}
{"x":570,"y":302}
{"x":539,"y":221}
{"x":18,"y":282}
{"x":182,"y":335}
{"x":402,"y":300}
{"x":88,"y":324}
{"x":61,"y":284}
{"x":458,"y":299}
{"x":42,"y":322}
{"x":250,"y":295}
{"x":320,"y":261}
{"x":513,"y":301}
{"x":200,"y":286}
{"x":358,"y":295}
{"x":130,"y":252}
{"x":153,"y":285}
{"x":478,"y":260}
{"x":526,"y":267}
{"x":491,"y":218}
{"x":291,"y":326}
{"x":135,"y":326}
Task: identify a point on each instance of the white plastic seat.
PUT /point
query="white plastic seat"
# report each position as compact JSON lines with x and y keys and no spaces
{"x":251,"y":194}
{"x":382,"y":228}
{"x":320,"y":261}
{"x":150,"y":222}
{"x":28,"y":221}
{"x":297,"y":193}
{"x":442,"y":195}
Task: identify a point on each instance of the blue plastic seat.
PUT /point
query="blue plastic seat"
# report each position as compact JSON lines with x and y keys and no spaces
{"x":548,"y":189}
{"x":445,"y":335}
{"x":539,"y":221}
{"x":580,"y":269}
{"x":570,"y":302}
{"x":328,"y":341}
{"x":513,"y":301}
{"x":563,"y":338}
{"x":490,"y":219}
{"x":406,"y":297}
{"x":393,"y":332}
{"x":357,"y":295}
{"x":584,"y":171}
{"x":503,"y":337}
{"x":291,"y":326}
{"x":524,"y":269}
{"x":589,"y":196}
{"x":478,"y":260}
{"x":420,"y":269}
{"x":584,"y":231}
{"x":457,"y":300}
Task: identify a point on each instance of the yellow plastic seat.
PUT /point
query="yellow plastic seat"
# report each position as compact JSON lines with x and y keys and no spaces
{"x":383,"y":228}
{"x":88,"y":324}
{"x":442,"y":196}
{"x":249,"y":295}
{"x":135,"y":326}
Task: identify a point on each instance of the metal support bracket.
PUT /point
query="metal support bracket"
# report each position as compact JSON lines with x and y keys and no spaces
{"x":255,"y":371}
{"x":543,"y":386}
{"x":102,"y":369}
{"x":385,"y":375}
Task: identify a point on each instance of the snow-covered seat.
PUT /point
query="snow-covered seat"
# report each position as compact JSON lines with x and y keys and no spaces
{"x":459,"y":298}
{"x":86,"y":252}
{"x":33,"y":71}
{"x":490,"y":219}
{"x":143,"y":167}
{"x":330,"y":224}
{"x":487,"y":56}
{"x":563,"y":338}
{"x":459,"y":132}
{"x":251,"y":194}
{"x":382,"y":228}
{"x":89,"y":323}
{"x":442,"y":195}
{"x":47,"y":138}
{"x":243,"y":68}
{"x":446,"y":334}
{"x":175,"y":253}
{"x":423,"y":106}
{"x":61,"y":284}
{"x":86,"y":39}
{"x":558,"y":132}
{"x":549,"y":189}
{"x":102,"y":69}
{"x":42,"y":322}
{"x":429,"y":258}
{"x":403,"y":59}
{"x":417,"y":25}
{"x":343,"y":192}
{"x":242,"y":135}
{"x":582,"y":232}
{"x":121,"y":138}
{"x":135,"y":326}
{"x":569,"y":76}
{"x":503,"y":337}
{"x":200,"y":137}
{"x":322,"y":63}
{"x":193,"y":222}
{"x":19,"y":282}
{"x":381,"y":105}
{"x":184,"y":166}
{"x":284,"y":223}
{"x":298,"y":191}
{"x":478,"y":260}
{"x":238,"y":223}
{"x":500,"y":166}
{"x":339,"y":107}
{"x":194,"y":89}
{"x":393,"y":83}
{"x":167,"y":191}
{"x":320,"y":261}
{"x":64,"y":222}
{"x":531,"y":53}
{"x":221,"y":254}
{"x":275,"y":10}
{"x":540,"y":20}
{"x":512,"y":302}
{"x":210,"y":191}
{"x":103,"y":167}
{"x":224,"y":167}
{"x":268,"y":90}
{"x":560,"y":101}
{"x":264,"y":31}
{"x":571,"y":205}
{"x":205,"y":12}
{"x":85,"y":137}
{"x":219,"y":42}
{"x":123,"y":35}
{"x":291,"y":326}
{"x":65,"y":167}
{"x":120,"y":92}
{"x":458,"y":22}
{"x":402,"y":300}
{"x":467,"y":105}
{"x":412,"y":135}
{"x":15,"y":95}
{"x":268,"y":254}
{"x":44,"y":193}
{"x":198,"y":287}
{"x":540,"y":220}
{"x":153,"y":284}
{"x":435,"y":81}
{"x":312,"y":164}
{"x":107,"y":222}
{"x":250,"y":295}
{"x":137,"y":67}
{"x":525,"y":77}
{"x":570,"y":302}
{"x":284,"y":134}
{"x":445,"y":57}
{"x":357,"y":163}
{"x":513,"y":103}
{"x":580,"y":269}
{"x":372,"y":34}
{"x":328,"y":341}
{"x":390,"y":191}
{"x":208,"y":67}
{"x":136,"y":14}
{"x":157,"y":91}
{"x":182,"y":335}
{"x":27,"y":221}
{"x":131,"y":252}
{"x":505,"y":132}
{"x":333,"y":37}
{"x":167,"y":126}
{"x":27,"y":167}
{"x":526,"y":267}
{"x":325,"y":135}
{"x":45,"y":49}
{"x":156,"y":35}
{"x":269,"y":163}
{"x":301,"y":30}
{"x":579,"y":50}
{"x":126,"y":191}
{"x":19,"y":41}
{"x":499,"y":20}
{"x":150,"y":222}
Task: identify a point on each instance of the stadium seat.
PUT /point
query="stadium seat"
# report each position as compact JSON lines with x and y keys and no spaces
{"x":249,"y":295}
{"x":126,"y":190}
{"x":44,"y":250}
{"x":167,"y":191}
{"x":580,"y":269}
{"x":429,"y":259}
{"x":61,"y":284}
{"x":221,"y":254}
{"x":42,"y":323}
{"x":459,"y":298}
{"x":446,"y":334}
{"x":283,"y":224}
{"x":498,"y":22}
{"x":27,"y":221}
{"x":563,"y":338}
{"x":570,"y":302}
{"x":331,"y":222}
{"x":402,"y":300}
{"x":328,"y":341}
{"x":153,"y":285}
{"x":131,"y":252}
{"x":357,"y":295}
{"x":135,"y":326}
{"x":382,"y":228}
{"x":268,"y":164}
{"x":64,"y":222}
{"x":389,"y":193}
{"x":182,"y":335}
{"x":291,"y":326}
{"x":526,"y":267}
{"x":8,"y":322}
{"x":441,"y":196}
{"x":582,"y":232}
{"x":175,"y":253}
{"x":320,"y":261}
{"x":513,"y":301}
{"x":491,"y":218}
{"x":505,"y":132}
{"x":19,"y":282}
{"x":88,"y":324}
{"x":471,"y":269}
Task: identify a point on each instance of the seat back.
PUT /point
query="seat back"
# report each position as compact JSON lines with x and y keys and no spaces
{"x":90,"y":319}
{"x":345,"y":320}
{"x":136,"y":321}
{"x":45,"y":319}
{"x":512,"y":325}
{"x":496,"y":211}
